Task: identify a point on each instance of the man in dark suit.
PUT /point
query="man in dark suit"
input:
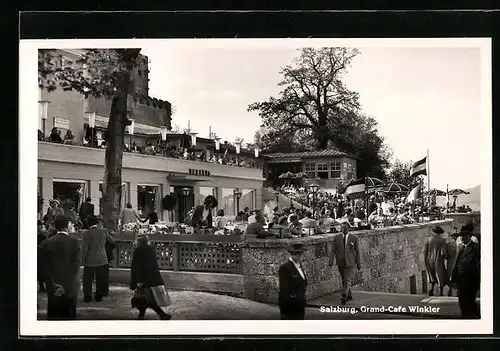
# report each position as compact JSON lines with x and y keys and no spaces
{"x":95,"y":260}
{"x":346,"y":254}
{"x":202,"y":215}
{"x":466,"y":274}
{"x":257,"y":227}
{"x":293,"y":283}
{"x":61,"y":262}
{"x":86,"y":210}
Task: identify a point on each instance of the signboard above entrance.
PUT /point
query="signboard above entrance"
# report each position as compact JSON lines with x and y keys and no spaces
{"x":199,"y":172}
{"x":61,"y":123}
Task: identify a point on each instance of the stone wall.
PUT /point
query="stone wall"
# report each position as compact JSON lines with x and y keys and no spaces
{"x":460,"y":219}
{"x":391,"y":260}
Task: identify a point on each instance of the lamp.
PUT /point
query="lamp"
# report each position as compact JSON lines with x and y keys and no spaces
{"x":217,"y":144}
{"x":237,"y":194}
{"x":314,"y":189}
{"x":163,"y":131}
{"x":256,"y":150}
{"x":42,"y":112}
{"x":193,"y":139}
{"x":185,"y":191}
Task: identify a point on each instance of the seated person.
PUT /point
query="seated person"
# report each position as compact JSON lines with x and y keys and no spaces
{"x":377,"y":217}
{"x":220,"y":221}
{"x":309,"y":225}
{"x":257,"y":227}
{"x":55,"y":136}
{"x":275,"y":221}
{"x":240,"y":217}
{"x":41,"y":137}
{"x":359,"y":213}
{"x":295,"y":226}
{"x":69,"y":137}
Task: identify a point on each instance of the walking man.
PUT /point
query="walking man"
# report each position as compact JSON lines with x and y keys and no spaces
{"x":61,"y":259}
{"x":95,"y":260}
{"x":293,"y":283}
{"x":434,"y":257}
{"x":466,"y":274}
{"x":346,"y":254}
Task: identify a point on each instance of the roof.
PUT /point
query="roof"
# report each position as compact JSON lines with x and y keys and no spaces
{"x":102,"y":123}
{"x":311,"y":154}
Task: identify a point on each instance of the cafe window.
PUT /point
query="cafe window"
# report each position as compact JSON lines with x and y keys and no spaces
{"x":350,"y":171}
{"x":310,"y":170}
{"x":148,"y":199}
{"x":322,"y":170}
{"x":247,"y":199}
{"x":228,"y":202}
{"x":70,"y":193}
{"x":124,"y":199}
{"x":335,"y":170}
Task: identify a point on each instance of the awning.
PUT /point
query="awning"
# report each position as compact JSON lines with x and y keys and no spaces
{"x":187,"y":177}
{"x":141,"y":129}
{"x":285,"y":160}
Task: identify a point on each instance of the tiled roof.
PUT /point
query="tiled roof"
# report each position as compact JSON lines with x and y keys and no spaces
{"x":307,"y":154}
{"x":102,"y":123}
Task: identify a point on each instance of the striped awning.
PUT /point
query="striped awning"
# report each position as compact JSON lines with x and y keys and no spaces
{"x":142,"y":129}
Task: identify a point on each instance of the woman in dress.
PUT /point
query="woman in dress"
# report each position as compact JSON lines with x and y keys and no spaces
{"x":145,"y":277}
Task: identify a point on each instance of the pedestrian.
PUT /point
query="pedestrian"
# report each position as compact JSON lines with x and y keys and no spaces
{"x":41,"y":237}
{"x":466,"y":274}
{"x":146,"y":280}
{"x":346,"y":254}
{"x":95,"y":260}
{"x":61,"y":258}
{"x":434,"y":258}
{"x":292,"y":285}
{"x":86,"y":210}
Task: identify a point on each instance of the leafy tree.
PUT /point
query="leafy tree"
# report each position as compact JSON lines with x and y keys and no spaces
{"x":400,"y":173}
{"x":315,"y":110}
{"x":103,"y":73}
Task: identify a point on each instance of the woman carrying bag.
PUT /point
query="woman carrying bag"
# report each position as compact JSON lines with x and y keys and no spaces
{"x":147,"y":281}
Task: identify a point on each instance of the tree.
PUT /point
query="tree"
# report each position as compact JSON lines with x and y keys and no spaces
{"x":315,"y":110}
{"x":103,"y":73}
{"x":400,"y":173}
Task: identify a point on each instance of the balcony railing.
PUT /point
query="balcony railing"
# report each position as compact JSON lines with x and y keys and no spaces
{"x":91,"y":156}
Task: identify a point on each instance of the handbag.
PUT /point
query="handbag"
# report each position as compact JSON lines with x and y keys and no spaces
{"x":160,"y":295}
{"x":139,"y":300}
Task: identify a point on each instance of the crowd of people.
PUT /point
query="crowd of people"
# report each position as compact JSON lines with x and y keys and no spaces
{"x":156,"y":148}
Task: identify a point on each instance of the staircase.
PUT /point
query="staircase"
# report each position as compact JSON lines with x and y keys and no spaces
{"x":283,"y":200}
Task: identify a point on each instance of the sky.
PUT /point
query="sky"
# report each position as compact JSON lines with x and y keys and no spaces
{"x":422,"y":97}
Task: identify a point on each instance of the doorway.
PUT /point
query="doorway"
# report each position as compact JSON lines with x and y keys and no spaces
{"x":185,"y":203}
{"x":70,"y":193}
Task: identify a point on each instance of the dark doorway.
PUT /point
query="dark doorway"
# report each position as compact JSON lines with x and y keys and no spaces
{"x":184,"y":203}
{"x":413,"y":284}
{"x":425,"y":282}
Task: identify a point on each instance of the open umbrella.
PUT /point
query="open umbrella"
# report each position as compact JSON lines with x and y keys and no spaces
{"x":456,"y":192}
{"x":342,"y":186}
{"x":287,"y":175}
{"x":393,"y":188}
{"x":435,"y":192}
{"x":372,"y":182}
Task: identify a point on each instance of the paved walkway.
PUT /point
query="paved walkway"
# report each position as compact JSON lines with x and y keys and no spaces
{"x":191,"y":305}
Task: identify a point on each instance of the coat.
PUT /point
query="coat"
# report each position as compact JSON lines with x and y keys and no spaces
{"x":435,"y":251}
{"x":144,"y":267}
{"x":292,"y":293}
{"x":349,"y":257}
{"x":196,"y":220}
{"x":94,"y":247}
{"x":61,"y":261}
{"x":467,"y":266}
{"x":86,"y":209}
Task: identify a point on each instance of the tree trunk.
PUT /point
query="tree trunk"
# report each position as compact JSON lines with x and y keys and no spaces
{"x":322,"y":134}
{"x":113,"y":162}
{"x":115,"y":142}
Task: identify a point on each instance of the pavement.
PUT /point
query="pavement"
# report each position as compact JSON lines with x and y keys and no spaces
{"x":193,"y":305}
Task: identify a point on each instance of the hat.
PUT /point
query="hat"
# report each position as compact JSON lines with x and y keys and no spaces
{"x":212,"y":199}
{"x":51,"y":200}
{"x":467,"y":229}
{"x":297,"y":248}
{"x":438,"y":230}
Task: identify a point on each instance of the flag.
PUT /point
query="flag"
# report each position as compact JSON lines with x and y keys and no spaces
{"x":419,"y":167}
{"x":414,"y":194}
{"x":356,"y":189}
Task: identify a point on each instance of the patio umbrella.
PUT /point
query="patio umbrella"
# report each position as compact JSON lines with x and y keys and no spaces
{"x":394,"y":188}
{"x":435,"y":192}
{"x":456,"y":192}
{"x":287,"y":175}
{"x":300,"y":175}
{"x":342,"y":186}
{"x":372,"y":182}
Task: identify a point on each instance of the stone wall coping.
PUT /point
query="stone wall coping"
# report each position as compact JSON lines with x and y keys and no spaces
{"x":468,"y":214}
{"x":251,"y":241}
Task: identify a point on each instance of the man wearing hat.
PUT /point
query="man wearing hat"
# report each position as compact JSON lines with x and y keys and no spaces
{"x":94,"y":260}
{"x":466,"y":273}
{"x":346,"y":254}
{"x":52,"y":212}
{"x":293,"y":283}
{"x":202,"y":215}
{"x":434,"y":256}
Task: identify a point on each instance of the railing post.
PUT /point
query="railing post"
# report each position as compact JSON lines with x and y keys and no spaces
{"x":176,"y":257}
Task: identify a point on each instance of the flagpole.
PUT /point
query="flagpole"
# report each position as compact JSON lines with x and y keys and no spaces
{"x":447,"y":200}
{"x":428,"y":172}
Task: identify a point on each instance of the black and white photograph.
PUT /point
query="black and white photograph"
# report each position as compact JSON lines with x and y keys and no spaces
{"x":230,"y":186}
